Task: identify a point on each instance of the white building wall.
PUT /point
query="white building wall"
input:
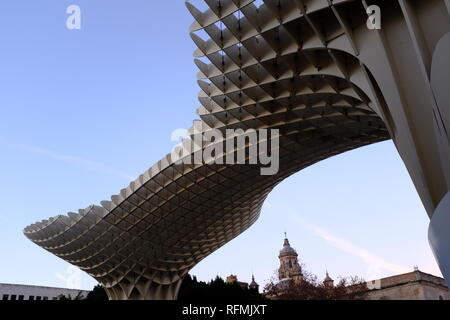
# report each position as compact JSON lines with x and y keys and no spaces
{"x":24,"y":292}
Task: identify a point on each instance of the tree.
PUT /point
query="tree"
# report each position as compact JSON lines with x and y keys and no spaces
{"x":310,"y":288}
{"x":97,"y":294}
{"x":215,"y":290}
{"x":79,"y":296}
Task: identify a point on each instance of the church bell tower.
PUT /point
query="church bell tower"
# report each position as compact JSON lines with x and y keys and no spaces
{"x":289,"y":266}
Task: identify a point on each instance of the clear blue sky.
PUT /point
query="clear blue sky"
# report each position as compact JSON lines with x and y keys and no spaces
{"x":83,"y":112}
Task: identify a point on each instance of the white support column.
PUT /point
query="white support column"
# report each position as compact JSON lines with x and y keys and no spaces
{"x":439,"y":236}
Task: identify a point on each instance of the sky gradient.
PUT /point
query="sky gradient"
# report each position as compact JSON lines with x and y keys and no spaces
{"x":84,"y":112}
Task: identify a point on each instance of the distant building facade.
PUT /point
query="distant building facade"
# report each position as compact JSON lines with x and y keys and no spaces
{"x":232,"y":279}
{"x":24,"y":292}
{"x":416,"y":285}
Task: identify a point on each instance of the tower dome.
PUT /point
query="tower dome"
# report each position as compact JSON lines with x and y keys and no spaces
{"x":253,"y":284}
{"x":287,"y":250}
{"x":328,"y":281}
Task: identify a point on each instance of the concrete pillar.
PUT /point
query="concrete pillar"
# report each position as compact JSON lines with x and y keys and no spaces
{"x":144,"y":290}
{"x":439,"y":231}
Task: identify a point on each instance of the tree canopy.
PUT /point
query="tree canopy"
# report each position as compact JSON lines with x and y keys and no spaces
{"x":215,"y":290}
